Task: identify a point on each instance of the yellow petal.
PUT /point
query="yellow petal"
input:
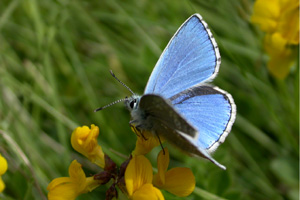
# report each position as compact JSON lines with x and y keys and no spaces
{"x":3,"y":169}
{"x":65,"y":188}
{"x":146,"y":141}
{"x":84,"y":140}
{"x":278,"y":16}
{"x":274,"y":43}
{"x":280,"y":67}
{"x":77,"y":175}
{"x":163,"y":160}
{"x":58,"y":181}
{"x":138,"y":173}
{"x":64,"y":191}
{"x":179,"y":181}
{"x":2,"y":185}
{"x":288,"y":25}
{"x":282,"y":57}
{"x":91,"y":184}
{"x":280,"y":20}
{"x":266,"y":14}
{"x":148,"y":192}
{"x":3,"y":165}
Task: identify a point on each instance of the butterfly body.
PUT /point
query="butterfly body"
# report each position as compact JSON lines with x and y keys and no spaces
{"x":179,"y":104}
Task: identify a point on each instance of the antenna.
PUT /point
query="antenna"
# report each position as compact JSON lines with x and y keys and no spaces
{"x":121,"y":82}
{"x":112,"y":103}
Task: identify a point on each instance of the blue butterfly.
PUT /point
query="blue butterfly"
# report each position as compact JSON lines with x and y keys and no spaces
{"x":178,"y":103}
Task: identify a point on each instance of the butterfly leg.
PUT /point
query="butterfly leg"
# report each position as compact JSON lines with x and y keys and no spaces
{"x":137,"y":131}
{"x":162,"y":147}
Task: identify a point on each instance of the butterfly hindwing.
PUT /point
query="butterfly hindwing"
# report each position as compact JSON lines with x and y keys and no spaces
{"x":210,"y":110}
{"x":192,"y":55}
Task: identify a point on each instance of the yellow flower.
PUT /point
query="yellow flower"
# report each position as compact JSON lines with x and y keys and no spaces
{"x":68,"y":188}
{"x":281,"y":56}
{"x":138,"y":180}
{"x":145,"y":142}
{"x":84,"y":140}
{"x":2,"y":185}
{"x":179,"y":181}
{"x":3,"y":169}
{"x":266,"y":14}
{"x":280,"y":20}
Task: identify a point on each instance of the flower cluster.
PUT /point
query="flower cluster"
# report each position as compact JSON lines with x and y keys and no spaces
{"x":83,"y":140}
{"x":279,"y":19}
{"x":3,"y":169}
{"x":134,"y":177}
{"x":142,"y":184}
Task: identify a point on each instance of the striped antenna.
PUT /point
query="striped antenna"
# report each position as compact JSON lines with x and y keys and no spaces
{"x":121,"y":82}
{"x":112,"y":103}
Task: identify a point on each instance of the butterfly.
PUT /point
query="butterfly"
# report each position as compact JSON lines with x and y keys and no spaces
{"x":178,"y":103}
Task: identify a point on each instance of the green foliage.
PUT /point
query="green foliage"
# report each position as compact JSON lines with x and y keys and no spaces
{"x":55,"y":58}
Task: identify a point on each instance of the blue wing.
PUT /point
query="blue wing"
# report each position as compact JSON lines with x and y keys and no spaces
{"x":190,"y":58}
{"x":210,"y":110}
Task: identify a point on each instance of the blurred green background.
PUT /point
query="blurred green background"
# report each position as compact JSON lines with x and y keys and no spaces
{"x":55,"y":58}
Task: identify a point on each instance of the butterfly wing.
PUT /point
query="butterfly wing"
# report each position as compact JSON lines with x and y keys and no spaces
{"x":166,"y":122}
{"x":192,"y":55}
{"x":210,"y":110}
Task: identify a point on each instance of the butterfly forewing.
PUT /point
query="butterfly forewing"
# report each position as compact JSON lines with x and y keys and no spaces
{"x":191,"y":57}
{"x":157,"y":107}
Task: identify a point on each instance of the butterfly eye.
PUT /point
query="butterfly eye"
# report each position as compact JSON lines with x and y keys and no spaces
{"x":132,"y":103}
